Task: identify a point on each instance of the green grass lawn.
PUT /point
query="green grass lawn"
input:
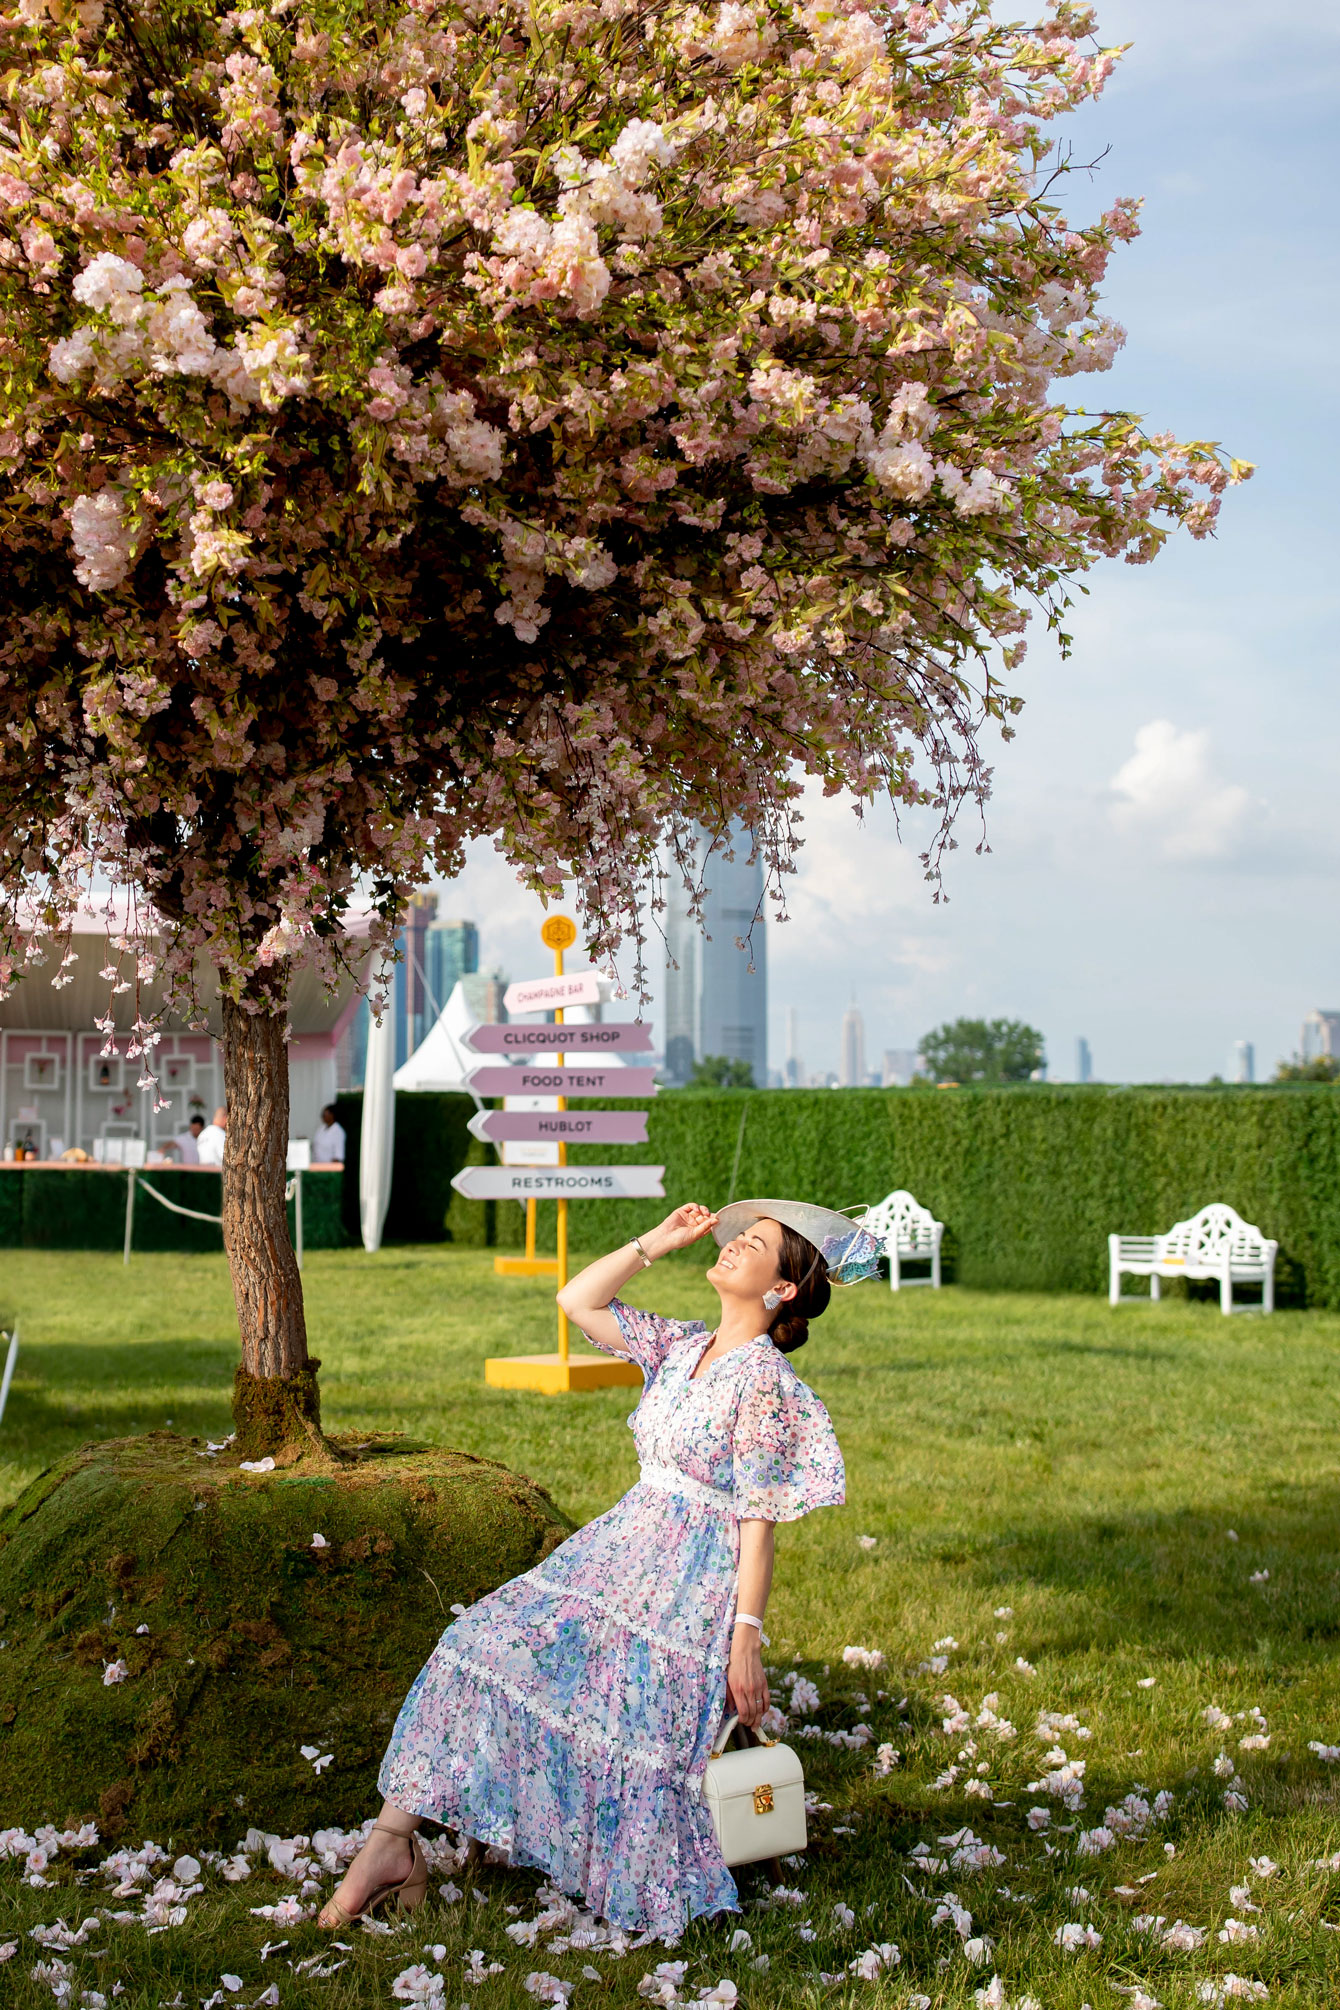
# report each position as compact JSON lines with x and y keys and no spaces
{"x":1088,"y":1492}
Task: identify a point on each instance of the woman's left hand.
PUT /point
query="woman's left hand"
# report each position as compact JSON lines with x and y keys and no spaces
{"x":746,"y":1684}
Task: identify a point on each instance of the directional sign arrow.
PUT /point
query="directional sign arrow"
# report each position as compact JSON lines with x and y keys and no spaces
{"x":623,"y":1037}
{"x":548,"y":994}
{"x":589,"y":1127}
{"x":550,"y":1081}
{"x":560,"y":1183}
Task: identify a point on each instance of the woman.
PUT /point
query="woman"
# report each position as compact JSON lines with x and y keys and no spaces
{"x":568,"y":1717}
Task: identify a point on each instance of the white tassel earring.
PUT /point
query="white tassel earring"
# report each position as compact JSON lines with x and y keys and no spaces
{"x":772,"y":1299}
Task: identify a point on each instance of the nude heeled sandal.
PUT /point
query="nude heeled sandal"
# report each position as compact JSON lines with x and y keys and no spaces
{"x":402,"y":1897}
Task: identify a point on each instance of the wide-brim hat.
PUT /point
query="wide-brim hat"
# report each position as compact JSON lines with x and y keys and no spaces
{"x":850,"y":1251}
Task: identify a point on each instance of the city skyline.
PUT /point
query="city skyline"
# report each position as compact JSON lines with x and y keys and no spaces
{"x":441,"y":948}
{"x":812,"y":1042}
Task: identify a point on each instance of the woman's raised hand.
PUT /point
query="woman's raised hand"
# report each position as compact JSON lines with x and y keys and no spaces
{"x":687,"y":1225}
{"x":586,"y":1297}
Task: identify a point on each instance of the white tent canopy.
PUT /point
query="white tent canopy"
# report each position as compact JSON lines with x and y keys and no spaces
{"x":442,"y":1060}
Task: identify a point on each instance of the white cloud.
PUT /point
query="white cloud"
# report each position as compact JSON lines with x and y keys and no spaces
{"x":852,"y":875}
{"x":1168,"y":794}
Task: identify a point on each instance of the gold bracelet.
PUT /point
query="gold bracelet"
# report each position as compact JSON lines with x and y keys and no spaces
{"x":637,"y":1245}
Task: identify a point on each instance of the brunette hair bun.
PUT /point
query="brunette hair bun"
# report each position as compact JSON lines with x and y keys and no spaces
{"x":799,"y":1263}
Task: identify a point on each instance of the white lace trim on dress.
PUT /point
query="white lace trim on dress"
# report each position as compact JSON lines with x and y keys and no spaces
{"x":541,"y":1575}
{"x":648,"y":1759}
{"x":672,"y":1481}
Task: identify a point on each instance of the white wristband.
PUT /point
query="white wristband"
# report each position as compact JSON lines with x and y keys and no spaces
{"x":748,"y":1619}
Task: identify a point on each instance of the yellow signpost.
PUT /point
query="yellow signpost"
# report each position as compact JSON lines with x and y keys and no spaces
{"x":554,"y":1374}
{"x":529,"y":1265}
{"x":557,"y":933}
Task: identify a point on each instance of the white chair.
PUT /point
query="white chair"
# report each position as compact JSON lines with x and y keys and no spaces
{"x":910,"y":1234}
{"x":1215,"y":1244}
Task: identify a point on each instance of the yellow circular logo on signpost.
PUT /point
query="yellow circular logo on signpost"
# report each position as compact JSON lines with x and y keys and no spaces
{"x":558,"y":932}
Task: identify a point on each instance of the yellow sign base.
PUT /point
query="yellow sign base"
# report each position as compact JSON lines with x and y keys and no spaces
{"x":525,"y":1266}
{"x":551,"y":1375}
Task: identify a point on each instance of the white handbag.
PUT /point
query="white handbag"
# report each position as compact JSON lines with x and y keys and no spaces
{"x":756,"y":1799}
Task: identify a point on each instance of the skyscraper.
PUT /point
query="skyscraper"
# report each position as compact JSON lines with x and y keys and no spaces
{"x":453,"y":953}
{"x":1083,"y":1060}
{"x":715,"y":1003}
{"x":793,"y":1074}
{"x":682,"y":942}
{"x":484,"y":995}
{"x":433,"y":955}
{"x":853,"y":1049}
{"x":413,"y":1015}
{"x":1321,"y":1035}
{"x":1244,"y":1061}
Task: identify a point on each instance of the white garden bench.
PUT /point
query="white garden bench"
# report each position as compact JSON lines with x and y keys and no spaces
{"x":909,"y":1234}
{"x":1216,"y":1244}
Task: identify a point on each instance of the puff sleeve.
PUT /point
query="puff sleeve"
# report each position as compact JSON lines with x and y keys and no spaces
{"x":786,"y":1454}
{"x":647,"y":1336}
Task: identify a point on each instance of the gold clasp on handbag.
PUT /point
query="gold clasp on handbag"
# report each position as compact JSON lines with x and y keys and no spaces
{"x":763,"y":1799}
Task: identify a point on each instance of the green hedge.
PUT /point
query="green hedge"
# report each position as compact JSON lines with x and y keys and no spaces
{"x":431,"y":1143}
{"x":1029,"y":1181}
{"x":41,"y":1208}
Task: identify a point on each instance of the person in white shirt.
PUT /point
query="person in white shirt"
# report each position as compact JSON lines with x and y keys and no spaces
{"x":209,"y":1144}
{"x":188,"y":1142}
{"x":328,"y":1140}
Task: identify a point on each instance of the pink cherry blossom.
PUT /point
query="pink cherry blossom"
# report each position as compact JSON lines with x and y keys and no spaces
{"x":454,"y":462}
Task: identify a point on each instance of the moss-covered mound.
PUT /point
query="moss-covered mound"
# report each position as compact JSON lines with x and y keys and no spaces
{"x":241,"y":1638}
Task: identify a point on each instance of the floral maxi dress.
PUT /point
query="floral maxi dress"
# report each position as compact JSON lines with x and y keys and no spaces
{"x":567,"y":1717}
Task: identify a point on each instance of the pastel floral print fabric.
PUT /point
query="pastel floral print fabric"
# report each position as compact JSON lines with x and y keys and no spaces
{"x":567,"y":1717}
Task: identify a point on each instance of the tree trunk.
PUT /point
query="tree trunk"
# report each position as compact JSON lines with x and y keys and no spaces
{"x":275,"y":1399}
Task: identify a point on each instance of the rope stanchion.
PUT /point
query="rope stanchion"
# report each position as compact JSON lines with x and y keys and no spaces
{"x":292,"y":1187}
{"x":191,"y":1213}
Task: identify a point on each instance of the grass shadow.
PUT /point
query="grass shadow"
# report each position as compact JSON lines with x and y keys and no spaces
{"x":1117,"y":1353}
{"x":864,"y":1368}
{"x":66,"y":1393}
{"x":1177,"y":1583}
{"x":79,"y":1365}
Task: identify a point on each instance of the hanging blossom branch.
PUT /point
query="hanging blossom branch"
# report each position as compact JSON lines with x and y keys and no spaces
{"x":558,"y":421}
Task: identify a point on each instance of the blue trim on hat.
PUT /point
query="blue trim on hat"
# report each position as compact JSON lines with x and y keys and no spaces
{"x":851,"y":1257}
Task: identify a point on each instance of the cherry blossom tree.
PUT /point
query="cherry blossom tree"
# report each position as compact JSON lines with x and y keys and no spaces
{"x":568,"y":420}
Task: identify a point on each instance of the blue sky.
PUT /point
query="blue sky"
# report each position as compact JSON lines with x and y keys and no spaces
{"x":1163,"y":833}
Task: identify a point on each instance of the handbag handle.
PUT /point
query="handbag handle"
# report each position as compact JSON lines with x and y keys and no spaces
{"x":723,"y":1736}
